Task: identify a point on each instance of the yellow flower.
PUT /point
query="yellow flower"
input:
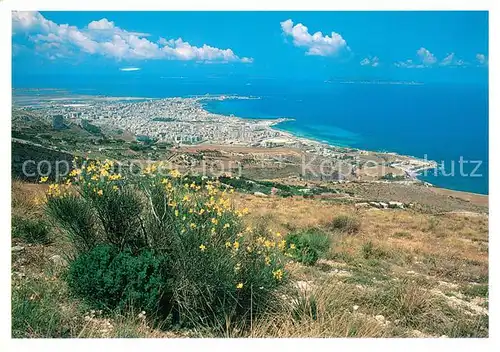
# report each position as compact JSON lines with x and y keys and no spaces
{"x":282,"y":244}
{"x":292,"y":246}
{"x":176,"y":212}
{"x":38,"y":201}
{"x":99,"y":192}
{"x":226,"y":226}
{"x":236,"y":245}
{"x":44,"y":179}
{"x":278,"y":274}
{"x":192,"y":225}
{"x":269,"y":244}
{"x":240,"y":285}
{"x":175,"y":173}
{"x":278,"y":234}
{"x":268,"y":260}
{"x":186,"y":198}
{"x":202,"y":247}
{"x":228,"y":244}
{"x":214,"y":221}
{"x":115,"y":177}
{"x":115,"y":188}
{"x":201,"y":211}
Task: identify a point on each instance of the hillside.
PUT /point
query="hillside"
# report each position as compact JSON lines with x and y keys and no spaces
{"x":388,"y":272}
{"x":362,"y":257}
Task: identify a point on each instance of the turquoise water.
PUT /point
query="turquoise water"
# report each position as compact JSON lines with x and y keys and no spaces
{"x":436,"y":122}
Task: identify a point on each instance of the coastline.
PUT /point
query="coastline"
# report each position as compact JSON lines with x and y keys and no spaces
{"x":415,"y":174}
{"x":273,"y":125}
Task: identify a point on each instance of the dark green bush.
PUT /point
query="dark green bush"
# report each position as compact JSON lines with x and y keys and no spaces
{"x":108,"y":278}
{"x":308,"y":246}
{"x":31,"y":230}
{"x":345,"y":223}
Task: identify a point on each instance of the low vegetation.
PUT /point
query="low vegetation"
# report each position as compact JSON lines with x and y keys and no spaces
{"x":174,"y":249}
{"x":185,"y":256}
{"x":30,"y":230}
{"x":345,"y":223}
{"x":308,"y":246}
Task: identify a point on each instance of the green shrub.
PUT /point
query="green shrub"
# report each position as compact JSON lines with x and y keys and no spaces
{"x":183,"y":241}
{"x":31,"y":230}
{"x":77,"y":219}
{"x":118,"y":212}
{"x":108,"y":278}
{"x":221,"y":272}
{"x":345,"y":223}
{"x":307,"y":246}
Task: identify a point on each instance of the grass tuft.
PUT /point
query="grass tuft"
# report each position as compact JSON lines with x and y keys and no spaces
{"x":345,"y":223}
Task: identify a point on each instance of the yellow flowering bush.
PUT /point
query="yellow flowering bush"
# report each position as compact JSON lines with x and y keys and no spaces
{"x":218,"y":271}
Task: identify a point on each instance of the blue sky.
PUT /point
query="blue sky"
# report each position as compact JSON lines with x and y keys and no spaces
{"x":422,"y":46}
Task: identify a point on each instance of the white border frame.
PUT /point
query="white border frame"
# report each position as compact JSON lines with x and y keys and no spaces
{"x":6,"y":6}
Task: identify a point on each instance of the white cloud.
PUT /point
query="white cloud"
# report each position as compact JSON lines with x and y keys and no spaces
{"x":482,"y":59}
{"x":452,"y":60}
{"x":104,"y":38}
{"x":129,"y":69}
{"x":426,"y":56}
{"x":101,"y":24}
{"x":448,"y":60}
{"x":370,"y":61}
{"x":317,"y":43}
{"x":427,"y":59}
{"x":408,"y":64}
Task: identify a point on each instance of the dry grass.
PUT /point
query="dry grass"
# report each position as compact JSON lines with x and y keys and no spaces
{"x":426,"y":274}
{"x":320,"y":311}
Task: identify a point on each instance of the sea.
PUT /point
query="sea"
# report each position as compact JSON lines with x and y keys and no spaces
{"x":447,"y":123}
